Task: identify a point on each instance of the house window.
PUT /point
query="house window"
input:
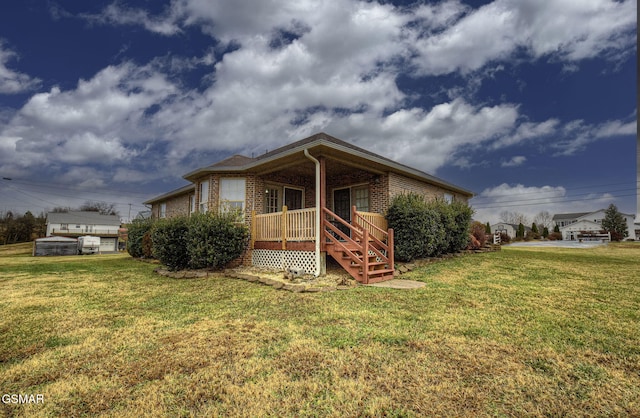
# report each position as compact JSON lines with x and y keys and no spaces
{"x":272,"y":199}
{"x":275,"y":197}
{"x":293,"y":198}
{"x":361,"y":198}
{"x":204,"y":197}
{"x":64,"y":227}
{"x":232,"y":194}
{"x":163,"y":210}
{"x":192,"y":203}
{"x":448,"y":197}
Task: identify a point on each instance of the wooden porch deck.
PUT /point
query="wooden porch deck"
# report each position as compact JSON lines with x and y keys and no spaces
{"x":366,"y":251}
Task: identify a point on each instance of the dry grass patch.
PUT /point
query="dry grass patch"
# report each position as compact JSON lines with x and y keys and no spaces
{"x":515,"y":333}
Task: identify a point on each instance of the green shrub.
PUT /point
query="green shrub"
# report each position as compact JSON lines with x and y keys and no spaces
{"x":424,"y":229}
{"x":135,"y":238}
{"x":200,"y":241}
{"x":461,"y":215}
{"x":214,"y":240}
{"x":169,"y":238}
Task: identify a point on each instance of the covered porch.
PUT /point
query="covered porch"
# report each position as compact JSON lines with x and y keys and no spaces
{"x":315,"y":202}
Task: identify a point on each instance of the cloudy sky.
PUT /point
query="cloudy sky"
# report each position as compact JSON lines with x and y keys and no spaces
{"x":530,"y":104}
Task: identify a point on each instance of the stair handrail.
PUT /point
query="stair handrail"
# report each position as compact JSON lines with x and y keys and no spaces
{"x":388,"y":247}
{"x":342,"y":235}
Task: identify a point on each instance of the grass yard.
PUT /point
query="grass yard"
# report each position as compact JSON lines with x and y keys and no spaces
{"x":522,"y":332}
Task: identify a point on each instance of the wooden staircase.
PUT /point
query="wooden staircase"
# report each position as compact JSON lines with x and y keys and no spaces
{"x":366,"y":253}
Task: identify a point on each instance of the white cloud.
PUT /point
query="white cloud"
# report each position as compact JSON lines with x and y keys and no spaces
{"x":577,"y":134}
{"x":87,"y":124}
{"x":115,"y":14}
{"x":11,"y":81}
{"x":531,"y":200}
{"x":528,"y":200}
{"x":429,"y":139}
{"x":528,"y":131}
{"x":515,"y":161}
{"x":562,"y":29}
{"x":335,"y":70}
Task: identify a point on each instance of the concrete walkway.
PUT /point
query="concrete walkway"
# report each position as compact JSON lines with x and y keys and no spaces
{"x":399,"y":284}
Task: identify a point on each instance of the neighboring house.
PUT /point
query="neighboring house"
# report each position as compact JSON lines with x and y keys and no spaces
{"x":505,"y":228}
{"x":565,"y":219}
{"x":312,"y":198}
{"x":74,"y":224}
{"x":573,"y":225}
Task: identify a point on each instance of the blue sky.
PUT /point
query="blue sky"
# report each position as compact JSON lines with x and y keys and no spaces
{"x":531,"y":105}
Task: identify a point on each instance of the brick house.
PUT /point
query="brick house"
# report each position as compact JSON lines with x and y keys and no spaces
{"x":315,"y":197}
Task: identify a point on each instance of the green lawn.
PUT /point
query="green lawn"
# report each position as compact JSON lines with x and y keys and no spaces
{"x":522,"y":332}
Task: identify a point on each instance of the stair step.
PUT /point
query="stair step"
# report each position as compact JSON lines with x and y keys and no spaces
{"x":379,"y":272}
{"x":379,"y":279}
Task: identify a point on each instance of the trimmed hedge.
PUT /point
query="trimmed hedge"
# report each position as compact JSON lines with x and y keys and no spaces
{"x":214,"y":241}
{"x":200,"y":241}
{"x":427,"y":229}
{"x":169,"y":239}
{"x":135,"y":240}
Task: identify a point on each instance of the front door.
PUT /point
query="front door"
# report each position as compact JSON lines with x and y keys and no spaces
{"x":342,"y":208}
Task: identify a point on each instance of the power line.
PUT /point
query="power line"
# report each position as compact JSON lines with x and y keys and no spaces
{"x":547,"y":202}
{"x":68,"y":188}
{"x":508,"y":194}
{"x":554,"y":197}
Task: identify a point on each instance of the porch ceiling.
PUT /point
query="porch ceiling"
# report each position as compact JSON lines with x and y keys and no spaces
{"x":335,"y":168}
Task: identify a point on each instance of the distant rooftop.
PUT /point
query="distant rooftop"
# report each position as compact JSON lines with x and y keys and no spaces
{"x":82,"y":217}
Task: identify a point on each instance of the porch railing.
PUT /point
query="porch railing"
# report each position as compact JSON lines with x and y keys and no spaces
{"x":288,"y":225}
{"x":375,"y":223}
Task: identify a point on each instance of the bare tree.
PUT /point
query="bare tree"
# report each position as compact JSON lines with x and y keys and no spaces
{"x":102,"y":208}
{"x":514,"y":218}
{"x":543,"y":219}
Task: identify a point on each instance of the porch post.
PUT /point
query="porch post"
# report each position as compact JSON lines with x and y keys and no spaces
{"x":323,"y":199}
{"x":253,"y":229}
{"x":283,"y":226}
{"x":318,"y":197}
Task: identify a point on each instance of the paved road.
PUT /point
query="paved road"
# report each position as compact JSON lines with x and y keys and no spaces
{"x":557,"y":244}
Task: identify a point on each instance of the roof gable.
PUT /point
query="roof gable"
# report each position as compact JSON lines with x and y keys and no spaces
{"x":564,"y":216}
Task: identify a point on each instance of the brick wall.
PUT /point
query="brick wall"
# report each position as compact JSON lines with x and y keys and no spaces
{"x":176,"y":206}
{"x":399,"y":184}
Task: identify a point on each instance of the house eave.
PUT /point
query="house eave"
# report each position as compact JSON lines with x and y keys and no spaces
{"x":177,"y":192}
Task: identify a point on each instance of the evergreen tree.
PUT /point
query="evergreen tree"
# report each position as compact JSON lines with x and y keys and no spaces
{"x":615,"y":223}
{"x":487,"y":229}
{"x":520,"y":233}
{"x":545,"y":232}
{"x":534,"y":228}
{"x":556,"y":228}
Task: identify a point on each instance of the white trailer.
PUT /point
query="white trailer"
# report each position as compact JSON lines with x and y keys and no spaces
{"x":88,"y":245}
